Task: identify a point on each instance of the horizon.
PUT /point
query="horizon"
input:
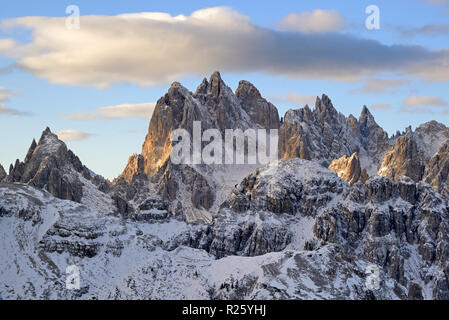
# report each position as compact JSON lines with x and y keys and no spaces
{"x":101,"y":100}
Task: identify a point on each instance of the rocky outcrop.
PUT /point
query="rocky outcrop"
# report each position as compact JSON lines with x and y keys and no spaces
{"x":2,"y":173}
{"x":134,"y":168}
{"x":321,"y":134}
{"x":380,"y":222}
{"x":430,"y":136}
{"x":404,"y":158}
{"x":437,"y":170}
{"x":51,"y":166}
{"x":348,"y":168}
{"x":191,"y":188}
{"x":324,"y":134}
{"x":372,"y":137}
{"x":261,"y":112}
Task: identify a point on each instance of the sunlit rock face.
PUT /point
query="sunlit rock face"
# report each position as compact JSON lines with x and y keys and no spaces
{"x":404,"y":158}
{"x":348,"y":168}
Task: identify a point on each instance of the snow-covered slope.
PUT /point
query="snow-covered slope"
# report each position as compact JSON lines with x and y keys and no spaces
{"x":289,"y":230}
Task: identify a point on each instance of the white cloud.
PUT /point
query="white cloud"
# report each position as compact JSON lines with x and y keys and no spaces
{"x":380,"y":85}
{"x":72,"y":135}
{"x":157,"y":48}
{"x":5,"y":94}
{"x":424,"y":101}
{"x":10,"y":111}
{"x":422,"y":104}
{"x":296,"y":99}
{"x":427,"y":30}
{"x":142,"y":110}
{"x":315,"y":21}
{"x":381,"y":106}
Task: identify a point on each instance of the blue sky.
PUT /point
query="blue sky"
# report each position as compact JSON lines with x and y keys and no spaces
{"x":35,"y":92}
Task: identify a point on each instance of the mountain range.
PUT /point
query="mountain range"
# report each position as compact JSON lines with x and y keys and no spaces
{"x":342,"y":198}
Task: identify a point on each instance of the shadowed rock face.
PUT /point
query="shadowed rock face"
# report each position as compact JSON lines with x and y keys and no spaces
{"x":51,"y":166}
{"x":348,"y":168}
{"x":403,"y":159}
{"x":2,"y":173}
{"x":437,"y":170}
{"x":325,"y":134}
{"x":262,"y":112}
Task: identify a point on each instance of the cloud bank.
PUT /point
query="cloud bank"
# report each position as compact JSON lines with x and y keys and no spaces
{"x":380,"y":85}
{"x":385,"y":106}
{"x":296,"y":99}
{"x":5,"y":95}
{"x":72,"y":135}
{"x":157,"y":48}
{"x":315,"y":21}
{"x":141,"y":110}
{"x":423,"y":104}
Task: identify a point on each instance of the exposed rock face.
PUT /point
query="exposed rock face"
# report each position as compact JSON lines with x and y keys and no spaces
{"x":50,"y":165}
{"x":325,"y":134}
{"x":134,"y":168}
{"x":437,"y":170}
{"x":403,"y":159}
{"x":262,"y":112}
{"x":348,"y":168}
{"x":373,"y":138}
{"x":216,"y":106}
{"x":380,"y":222}
{"x":321,"y":134}
{"x":302,"y":229}
{"x":430,"y":136}
{"x":2,"y":173}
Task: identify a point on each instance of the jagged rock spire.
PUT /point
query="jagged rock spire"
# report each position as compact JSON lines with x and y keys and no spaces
{"x":2,"y":173}
{"x":45,"y":166}
{"x":262,"y":112}
{"x":31,"y":150}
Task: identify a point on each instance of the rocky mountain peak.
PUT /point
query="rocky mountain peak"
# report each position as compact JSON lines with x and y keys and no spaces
{"x":2,"y":173}
{"x":31,"y":150}
{"x":247,"y":89}
{"x":214,"y":87}
{"x":374,"y":139}
{"x":202,"y":88}
{"x":366,"y":115}
{"x":404,"y":158}
{"x":325,"y":106}
{"x":314,"y":135}
{"x":216,"y":84}
{"x":430,"y":136}
{"x":262,"y":112}
{"x":50,"y":165}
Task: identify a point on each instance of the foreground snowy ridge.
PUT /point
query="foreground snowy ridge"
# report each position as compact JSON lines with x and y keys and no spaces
{"x":290,"y":230}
